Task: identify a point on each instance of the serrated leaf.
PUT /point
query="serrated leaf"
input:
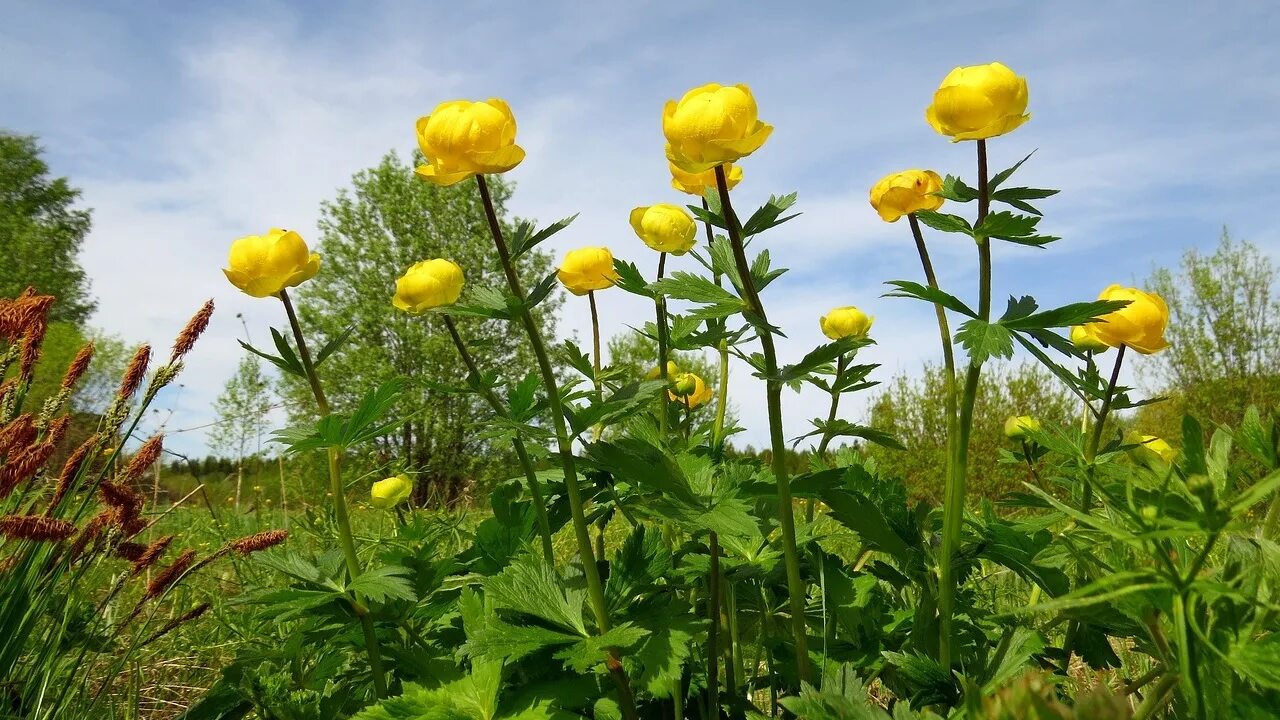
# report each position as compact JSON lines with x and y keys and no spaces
{"x":531,"y":586}
{"x":945,"y":222}
{"x":983,"y":340}
{"x":523,"y":241}
{"x":630,"y":279}
{"x":1065,"y":316}
{"x":909,"y":289}
{"x":334,"y":343}
{"x":768,"y":215}
{"x":381,"y":584}
{"x":955,"y":189}
{"x":999,"y":178}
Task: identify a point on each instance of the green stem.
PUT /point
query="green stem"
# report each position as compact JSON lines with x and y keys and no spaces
{"x":841,"y":363}
{"x":660,"y":307}
{"x":948,"y":351}
{"x":345,"y":537}
{"x":722,"y":390}
{"x":713,"y":634}
{"x":526,"y":464}
{"x":595,"y":355}
{"x":778,"y":443}
{"x":954,"y":501}
{"x":1156,"y":699}
{"x":734,"y":672}
{"x":591,"y":571}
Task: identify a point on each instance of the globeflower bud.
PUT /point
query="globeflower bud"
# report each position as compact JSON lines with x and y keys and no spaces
{"x":690,"y":390}
{"x":462,"y":139}
{"x":1086,"y":340}
{"x":1017,"y":426}
{"x":699,"y":183}
{"x":906,"y":192}
{"x":1139,"y":325}
{"x":428,"y":284}
{"x":843,"y":322}
{"x":1151,"y":450}
{"x":655,"y":373}
{"x":665,"y":228}
{"x":263,"y":265}
{"x":390,"y":492}
{"x":978,"y":102}
{"x":712,"y":125}
{"x":1150,"y":513}
{"x":587,"y":269}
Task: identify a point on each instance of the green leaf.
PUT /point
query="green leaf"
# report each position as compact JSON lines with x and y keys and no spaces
{"x":630,"y":279}
{"x":589,"y":652}
{"x":909,"y":289}
{"x":541,"y":290}
{"x":531,"y":586}
{"x":955,"y":190}
{"x":820,"y":356}
{"x":999,"y":178}
{"x":382,"y":584}
{"x":945,"y":222}
{"x":663,"y":653}
{"x":983,"y":340}
{"x":768,"y":215}
{"x":1065,"y":316}
{"x":1258,"y":660}
{"x":334,"y":343}
{"x":1018,"y":196}
{"x":1111,"y":587}
{"x":522,"y":242}
{"x":292,"y":368}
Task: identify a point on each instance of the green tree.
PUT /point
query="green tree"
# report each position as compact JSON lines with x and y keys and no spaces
{"x":41,"y":231}
{"x":370,"y":233}
{"x":912,"y":410}
{"x":241,"y":417}
{"x":1224,"y":338}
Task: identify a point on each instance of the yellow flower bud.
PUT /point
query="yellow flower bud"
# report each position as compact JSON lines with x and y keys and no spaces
{"x":655,"y":373}
{"x":462,"y":139}
{"x":1017,"y":426}
{"x":905,"y":192}
{"x":690,"y":390}
{"x":978,"y":102}
{"x":1139,"y":325}
{"x":712,"y":125}
{"x":843,"y":322}
{"x":587,"y":269}
{"x":665,"y":228}
{"x":1151,"y":449}
{"x":390,"y":492}
{"x":1084,"y":338}
{"x":428,"y":284}
{"x":263,"y":265}
{"x":699,"y":183}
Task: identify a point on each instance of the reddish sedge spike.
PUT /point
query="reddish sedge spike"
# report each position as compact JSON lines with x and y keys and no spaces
{"x":195,"y":327}
{"x":170,"y":575}
{"x":131,"y":551}
{"x":78,"y":367}
{"x":71,"y":469}
{"x":260,"y":541}
{"x":186,"y":617}
{"x":149,"y":556}
{"x":144,"y":458}
{"x":135,"y":372}
{"x":35,"y":527}
{"x":17,"y":433}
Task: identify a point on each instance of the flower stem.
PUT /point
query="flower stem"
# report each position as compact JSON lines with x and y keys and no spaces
{"x":713,"y":634}
{"x":722,"y":390}
{"x":660,"y":306}
{"x":944,"y":332}
{"x":841,"y":363}
{"x":336,"y":487}
{"x":591,"y":571}
{"x":778,"y":443}
{"x":522,"y":455}
{"x":595,"y":357}
{"x":954,"y":499}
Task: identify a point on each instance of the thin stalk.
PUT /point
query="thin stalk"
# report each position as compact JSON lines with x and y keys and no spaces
{"x":722,"y":390}
{"x":595,"y":356}
{"x":595,"y":589}
{"x":526,"y":464}
{"x":734,"y":671}
{"x":778,"y":443}
{"x":841,"y":363}
{"x":345,"y":537}
{"x":1156,"y":699}
{"x":660,"y":308}
{"x":713,"y":634}
{"x":954,"y":502}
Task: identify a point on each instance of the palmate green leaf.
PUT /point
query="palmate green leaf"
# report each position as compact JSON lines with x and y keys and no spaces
{"x":663,"y":653}
{"x":575,"y":358}
{"x":1065,"y":316}
{"x":694,"y":288}
{"x":637,"y":566}
{"x":945,"y":222}
{"x":820,"y":356}
{"x":1018,"y":196}
{"x":859,"y":514}
{"x":525,"y":239}
{"x":998,"y":179}
{"x":761,"y":273}
{"x":644,"y":466}
{"x":769,"y":215}
{"x":483,"y":302}
{"x":541,"y":290}
{"x":529,"y":585}
{"x":909,"y":289}
{"x":382,"y":584}
{"x":930,"y":683}
{"x":1257,"y":659}
{"x":955,"y":190}
{"x":630,"y":279}
{"x":292,"y":366}
{"x":843,"y":428}
{"x":983,"y":340}
{"x":1257,"y":439}
{"x":588,"y":653}
{"x":627,"y":400}
{"x":711,"y":217}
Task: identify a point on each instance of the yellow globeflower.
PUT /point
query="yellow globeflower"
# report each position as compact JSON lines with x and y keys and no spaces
{"x":665,"y":228}
{"x":978,"y":102}
{"x":1085,"y":338}
{"x":906,"y":192}
{"x":843,"y":322}
{"x":462,"y":139}
{"x":712,"y":125}
{"x":689,"y":390}
{"x":1017,"y":426}
{"x":587,"y":269}
{"x":263,"y":265}
{"x":656,"y":372}
{"x":1150,"y":448}
{"x":390,"y":492}
{"x":428,"y":284}
{"x":1139,"y":325}
{"x":699,"y":183}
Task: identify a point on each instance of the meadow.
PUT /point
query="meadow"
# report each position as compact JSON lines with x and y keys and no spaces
{"x":624,"y":559}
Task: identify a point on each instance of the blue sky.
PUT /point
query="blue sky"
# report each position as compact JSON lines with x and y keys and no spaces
{"x":188,"y":125}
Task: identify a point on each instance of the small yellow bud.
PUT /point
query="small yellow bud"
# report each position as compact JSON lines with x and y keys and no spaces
{"x":390,"y":492}
{"x":1017,"y":426}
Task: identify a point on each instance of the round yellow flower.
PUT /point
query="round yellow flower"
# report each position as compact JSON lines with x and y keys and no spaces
{"x":587,"y":269}
{"x":1017,"y":426}
{"x":906,"y":192}
{"x":388,"y":493}
{"x":665,"y":228}
{"x":263,"y":265}
{"x":843,"y":322}
{"x":1151,"y":448}
{"x":462,"y":139}
{"x":689,"y":390}
{"x":699,"y":183}
{"x":712,"y":125}
{"x":656,"y":372}
{"x":428,"y":284}
{"x":978,"y":102}
{"x":1139,"y":325}
{"x":1085,"y":339}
